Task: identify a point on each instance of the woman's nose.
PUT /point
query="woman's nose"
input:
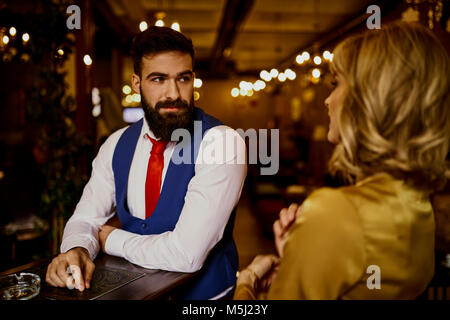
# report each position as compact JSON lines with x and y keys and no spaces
{"x":327,"y":101}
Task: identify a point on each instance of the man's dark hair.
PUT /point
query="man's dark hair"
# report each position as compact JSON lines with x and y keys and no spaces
{"x":156,"y":40}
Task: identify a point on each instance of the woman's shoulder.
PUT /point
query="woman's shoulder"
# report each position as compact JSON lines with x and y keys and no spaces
{"x":372,"y":188}
{"x":327,"y":207}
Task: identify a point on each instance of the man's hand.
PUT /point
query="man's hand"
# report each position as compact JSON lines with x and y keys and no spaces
{"x":81,"y":268}
{"x":282,"y":225}
{"x":103,"y":235}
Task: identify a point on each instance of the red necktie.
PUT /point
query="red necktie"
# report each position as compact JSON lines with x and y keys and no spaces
{"x":154,"y":173}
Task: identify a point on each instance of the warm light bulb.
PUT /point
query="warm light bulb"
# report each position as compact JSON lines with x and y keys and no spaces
{"x":282,"y":77}
{"x":305,"y":55}
{"x":159,"y":23}
{"x":136,"y":97}
{"x":87,"y":60}
{"x":196,"y":95}
{"x":317,"y":60}
{"x":259,"y":85}
{"x":299,"y":59}
{"x":198,"y":83}
{"x":265,"y":75}
{"x":316,"y":73}
{"x":126,"y":89}
{"x":25,"y":37}
{"x":97,"y":110}
{"x":5,"y":39}
{"x":12,"y":31}
{"x":245,"y":85}
{"x":175,"y":26}
{"x":60,"y":52}
{"x":143,"y":26}
{"x":290,"y":74}
{"x":274,"y":73}
{"x":327,"y":55}
{"x":234,"y":92}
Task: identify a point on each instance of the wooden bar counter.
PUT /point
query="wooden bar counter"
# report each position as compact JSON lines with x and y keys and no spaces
{"x":114,"y":279}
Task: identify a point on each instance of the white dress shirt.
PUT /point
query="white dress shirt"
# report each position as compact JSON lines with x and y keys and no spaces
{"x":212,"y":194}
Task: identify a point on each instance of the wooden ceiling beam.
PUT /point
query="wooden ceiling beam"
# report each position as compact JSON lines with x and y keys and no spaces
{"x":234,"y":14}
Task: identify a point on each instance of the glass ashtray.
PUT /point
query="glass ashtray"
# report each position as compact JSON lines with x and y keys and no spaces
{"x":22,"y":286}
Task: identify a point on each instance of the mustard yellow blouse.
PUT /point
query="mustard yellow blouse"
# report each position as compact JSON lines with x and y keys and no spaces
{"x":347,"y":237}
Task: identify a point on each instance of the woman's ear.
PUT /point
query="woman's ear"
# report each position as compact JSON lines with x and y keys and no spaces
{"x":136,"y":83}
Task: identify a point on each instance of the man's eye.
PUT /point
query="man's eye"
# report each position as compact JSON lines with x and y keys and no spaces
{"x":158,"y":79}
{"x":185,"y":79}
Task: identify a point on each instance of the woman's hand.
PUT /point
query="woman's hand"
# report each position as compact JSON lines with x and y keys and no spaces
{"x":260,"y":272}
{"x":282,"y":225}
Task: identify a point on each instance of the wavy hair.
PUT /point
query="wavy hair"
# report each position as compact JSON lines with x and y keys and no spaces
{"x":396,"y":114}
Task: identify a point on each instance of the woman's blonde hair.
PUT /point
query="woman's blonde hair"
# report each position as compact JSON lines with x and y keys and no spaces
{"x":396,"y":115}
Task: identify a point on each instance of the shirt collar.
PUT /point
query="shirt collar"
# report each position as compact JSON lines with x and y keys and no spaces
{"x":147,"y":131}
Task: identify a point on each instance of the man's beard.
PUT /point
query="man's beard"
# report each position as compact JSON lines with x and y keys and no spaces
{"x":162,"y":126}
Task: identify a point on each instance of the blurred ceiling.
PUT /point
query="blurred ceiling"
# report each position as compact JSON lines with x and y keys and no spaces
{"x":240,"y":36}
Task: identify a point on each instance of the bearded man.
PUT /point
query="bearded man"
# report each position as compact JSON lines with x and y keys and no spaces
{"x":173,"y":216}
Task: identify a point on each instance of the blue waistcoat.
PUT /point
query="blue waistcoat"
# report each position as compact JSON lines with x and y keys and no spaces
{"x":219,"y":269}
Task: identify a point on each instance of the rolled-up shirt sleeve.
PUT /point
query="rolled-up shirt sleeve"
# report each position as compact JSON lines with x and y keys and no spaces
{"x":212,"y":194}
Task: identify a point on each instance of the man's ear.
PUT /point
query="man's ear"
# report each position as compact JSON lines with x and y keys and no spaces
{"x":135,"y":83}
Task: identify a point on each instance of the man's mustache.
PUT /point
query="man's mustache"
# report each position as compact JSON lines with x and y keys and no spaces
{"x":172,"y":103}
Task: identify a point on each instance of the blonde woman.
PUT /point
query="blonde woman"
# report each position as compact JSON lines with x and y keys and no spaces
{"x":390,"y":120}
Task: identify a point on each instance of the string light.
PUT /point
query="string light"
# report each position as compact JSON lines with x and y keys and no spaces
{"x":136,"y":97}
{"x":175,"y":26}
{"x":327,"y":55}
{"x":305,"y":55}
{"x":259,"y":85}
{"x":25,"y":37}
{"x":159,"y":23}
{"x":196,"y":95}
{"x":316,"y":73}
{"x":290,"y":74}
{"x":12,"y":31}
{"x":143,"y":26}
{"x":87,"y":60}
{"x":265,"y":75}
{"x":317,"y":60}
{"x":274,"y":73}
{"x":198,"y":83}
{"x":126,"y":89}
{"x":5,"y":39}
{"x":60,"y":52}
{"x":281,"y":77}
{"x":245,"y":87}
